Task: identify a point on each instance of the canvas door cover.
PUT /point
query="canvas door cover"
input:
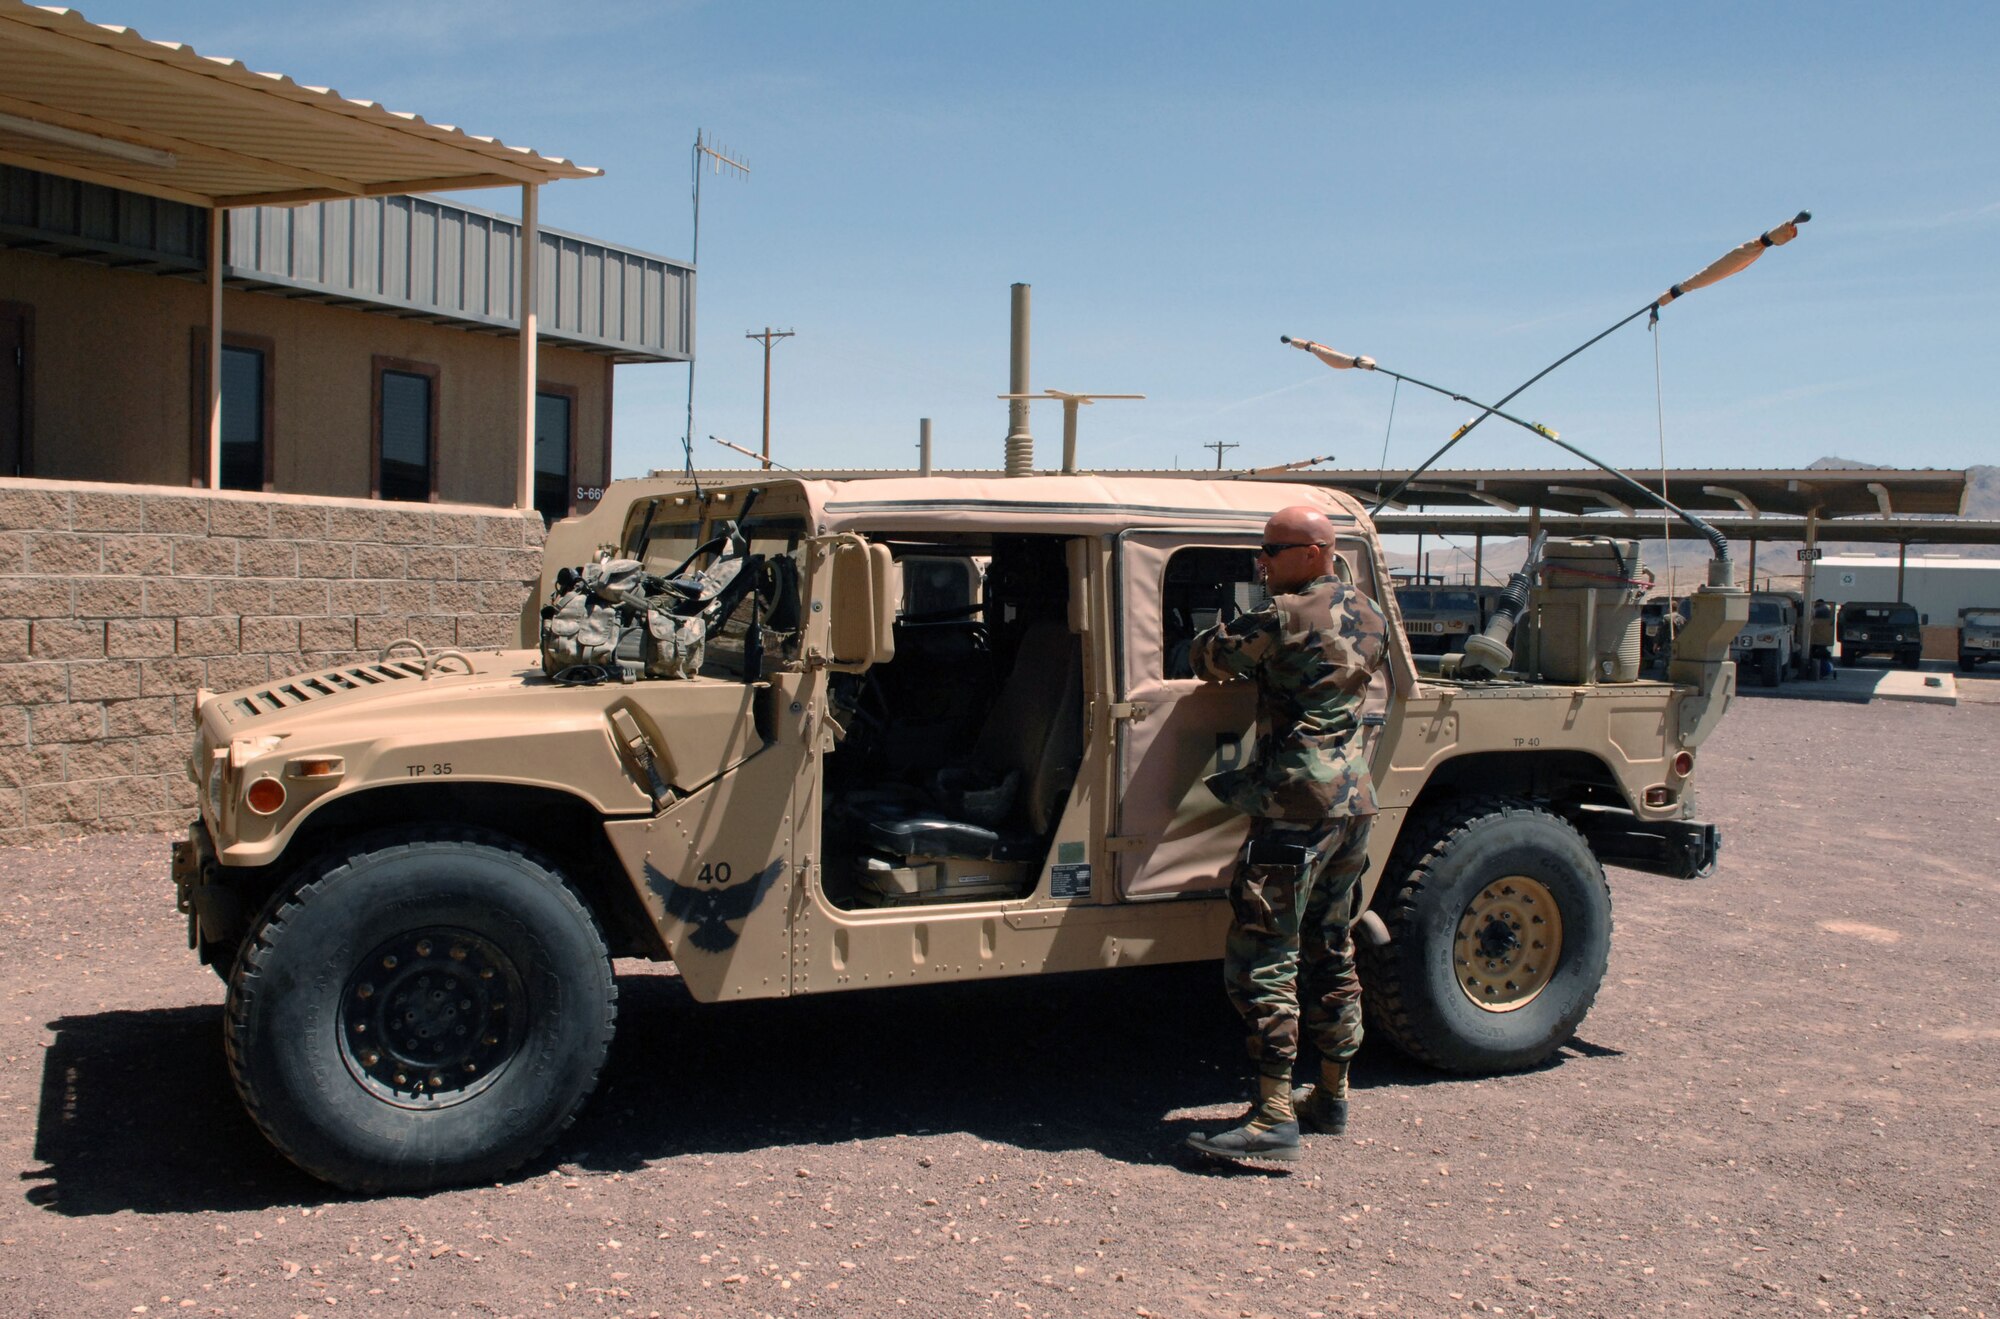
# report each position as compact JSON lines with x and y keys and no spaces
{"x":1187,"y":838}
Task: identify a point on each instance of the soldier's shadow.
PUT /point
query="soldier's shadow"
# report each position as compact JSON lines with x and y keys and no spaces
{"x":137,"y":1111}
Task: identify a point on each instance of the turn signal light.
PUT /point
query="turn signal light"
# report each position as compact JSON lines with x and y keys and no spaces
{"x":316,"y":767}
{"x":265,"y":796}
{"x":1659,"y":795}
{"x":1684,"y":764}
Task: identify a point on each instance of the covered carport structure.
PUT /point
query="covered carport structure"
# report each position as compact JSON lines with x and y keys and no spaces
{"x":104,"y":105}
{"x":1770,"y":505}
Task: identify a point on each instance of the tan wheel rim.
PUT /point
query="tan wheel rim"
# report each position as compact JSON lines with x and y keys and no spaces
{"x":1509,"y":940}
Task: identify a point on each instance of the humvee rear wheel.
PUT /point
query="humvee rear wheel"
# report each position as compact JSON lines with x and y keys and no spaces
{"x":1500,"y":931}
{"x":1509,"y":941}
{"x":430,"y":1009}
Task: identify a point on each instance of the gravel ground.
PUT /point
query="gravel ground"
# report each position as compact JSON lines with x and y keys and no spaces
{"x":1784,"y":1100}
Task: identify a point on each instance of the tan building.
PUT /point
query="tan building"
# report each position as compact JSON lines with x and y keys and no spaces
{"x":369,"y":345}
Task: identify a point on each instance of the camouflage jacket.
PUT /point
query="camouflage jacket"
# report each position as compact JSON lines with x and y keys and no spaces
{"x":1311,"y":655}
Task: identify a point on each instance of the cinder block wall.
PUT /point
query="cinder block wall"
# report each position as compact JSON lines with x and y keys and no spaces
{"x":118,"y":601}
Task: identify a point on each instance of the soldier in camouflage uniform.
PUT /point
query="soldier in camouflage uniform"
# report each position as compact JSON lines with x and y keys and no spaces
{"x":1311,"y":651}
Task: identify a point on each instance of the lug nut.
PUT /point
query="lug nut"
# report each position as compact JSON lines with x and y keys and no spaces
{"x":389,"y":962}
{"x":423,"y":947}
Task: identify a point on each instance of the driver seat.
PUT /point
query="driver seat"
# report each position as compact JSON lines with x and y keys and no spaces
{"x":1003,"y":802}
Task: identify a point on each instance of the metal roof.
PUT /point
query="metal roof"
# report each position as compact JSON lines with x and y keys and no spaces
{"x":104,"y":105}
{"x":1834,"y":492}
{"x":423,"y":258}
{"x":445,"y":262}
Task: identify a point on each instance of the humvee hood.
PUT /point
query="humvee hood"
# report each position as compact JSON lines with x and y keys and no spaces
{"x":397,"y":684}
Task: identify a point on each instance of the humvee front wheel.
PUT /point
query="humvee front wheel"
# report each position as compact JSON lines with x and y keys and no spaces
{"x":1768,"y":668}
{"x":430,"y":1009}
{"x":1500,"y":931}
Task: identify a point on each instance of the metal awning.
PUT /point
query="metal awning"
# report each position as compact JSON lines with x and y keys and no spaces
{"x":105,"y":105}
{"x":1739,"y":529}
{"x":1832,"y":492}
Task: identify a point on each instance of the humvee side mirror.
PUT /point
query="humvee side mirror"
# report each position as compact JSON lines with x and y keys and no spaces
{"x":863,"y":594}
{"x":1924,"y":619}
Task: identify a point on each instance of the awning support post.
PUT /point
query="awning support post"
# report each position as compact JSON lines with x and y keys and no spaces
{"x":1902,"y":562}
{"x":217,"y":217}
{"x":531,"y":242}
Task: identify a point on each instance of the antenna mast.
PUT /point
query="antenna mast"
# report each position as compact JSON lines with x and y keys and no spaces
{"x":718,"y":159}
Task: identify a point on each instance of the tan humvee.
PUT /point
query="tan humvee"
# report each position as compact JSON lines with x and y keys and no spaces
{"x":970,"y":748}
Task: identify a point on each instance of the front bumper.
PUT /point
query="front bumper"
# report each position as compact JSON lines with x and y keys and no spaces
{"x":1678,"y":849}
{"x":211,"y":907}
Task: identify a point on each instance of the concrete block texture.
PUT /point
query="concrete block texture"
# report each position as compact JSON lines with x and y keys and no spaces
{"x":118,"y":602}
{"x":33,"y":509}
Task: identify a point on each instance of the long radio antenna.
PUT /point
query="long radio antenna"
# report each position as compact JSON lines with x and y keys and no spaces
{"x":718,"y":159}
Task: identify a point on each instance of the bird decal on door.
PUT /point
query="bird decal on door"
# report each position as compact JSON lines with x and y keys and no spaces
{"x":709,"y":911}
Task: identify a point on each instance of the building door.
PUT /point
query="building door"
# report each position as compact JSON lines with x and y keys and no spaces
{"x":13,"y":391}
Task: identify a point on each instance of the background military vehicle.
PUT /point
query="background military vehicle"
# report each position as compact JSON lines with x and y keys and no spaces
{"x":1880,"y":627}
{"x":1436,"y":618}
{"x":1764,"y":646}
{"x":942,"y":729}
{"x":1978,"y":636}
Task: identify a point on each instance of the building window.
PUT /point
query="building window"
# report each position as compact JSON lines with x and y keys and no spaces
{"x":243,"y":439}
{"x":405,"y":430}
{"x":555,"y":418}
{"x":248,"y":379}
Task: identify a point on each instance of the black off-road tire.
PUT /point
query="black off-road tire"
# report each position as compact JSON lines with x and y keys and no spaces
{"x":1911,"y":659}
{"x":1442,"y":863}
{"x":484,"y":981}
{"x":1967,"y":663}
{"x":1768,"y":669}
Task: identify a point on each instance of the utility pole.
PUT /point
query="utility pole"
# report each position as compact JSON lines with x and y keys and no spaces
{"x":1219,"y":447}
{"x":769,"y":336}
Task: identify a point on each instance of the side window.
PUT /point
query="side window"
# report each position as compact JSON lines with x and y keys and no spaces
{"x":1202,"y":587}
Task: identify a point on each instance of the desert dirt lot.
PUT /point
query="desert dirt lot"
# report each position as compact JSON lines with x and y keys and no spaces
{"x":1787,"y":1100}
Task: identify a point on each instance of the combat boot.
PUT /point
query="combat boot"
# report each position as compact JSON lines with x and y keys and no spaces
{"x":1269,"y":1133}
{"x":1322,"y":1108}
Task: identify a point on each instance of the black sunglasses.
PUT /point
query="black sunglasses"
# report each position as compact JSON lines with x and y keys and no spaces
{"x":1271,"y":551}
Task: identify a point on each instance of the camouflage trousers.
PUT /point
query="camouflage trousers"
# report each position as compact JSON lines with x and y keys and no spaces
{"x":1294,"y":901}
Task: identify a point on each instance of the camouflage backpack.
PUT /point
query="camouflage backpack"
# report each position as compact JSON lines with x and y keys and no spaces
{"x":612,"y":619}
{"x":586,"y":622}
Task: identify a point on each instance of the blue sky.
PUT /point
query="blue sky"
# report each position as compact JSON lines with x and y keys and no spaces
{"x":1462,"y":191}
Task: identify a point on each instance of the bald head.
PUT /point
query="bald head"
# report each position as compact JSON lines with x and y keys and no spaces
{"x":1287,"y":569}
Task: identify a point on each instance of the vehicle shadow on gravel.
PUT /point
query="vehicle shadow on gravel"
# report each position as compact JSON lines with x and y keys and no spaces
{"x":1046,"y":1063}
{"x":138,"y":1113}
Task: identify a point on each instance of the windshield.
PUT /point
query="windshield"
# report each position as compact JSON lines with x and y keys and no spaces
{"x":1768,"y":612}
{"x":1881,"y":613}
{"x":1983,"y":618}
